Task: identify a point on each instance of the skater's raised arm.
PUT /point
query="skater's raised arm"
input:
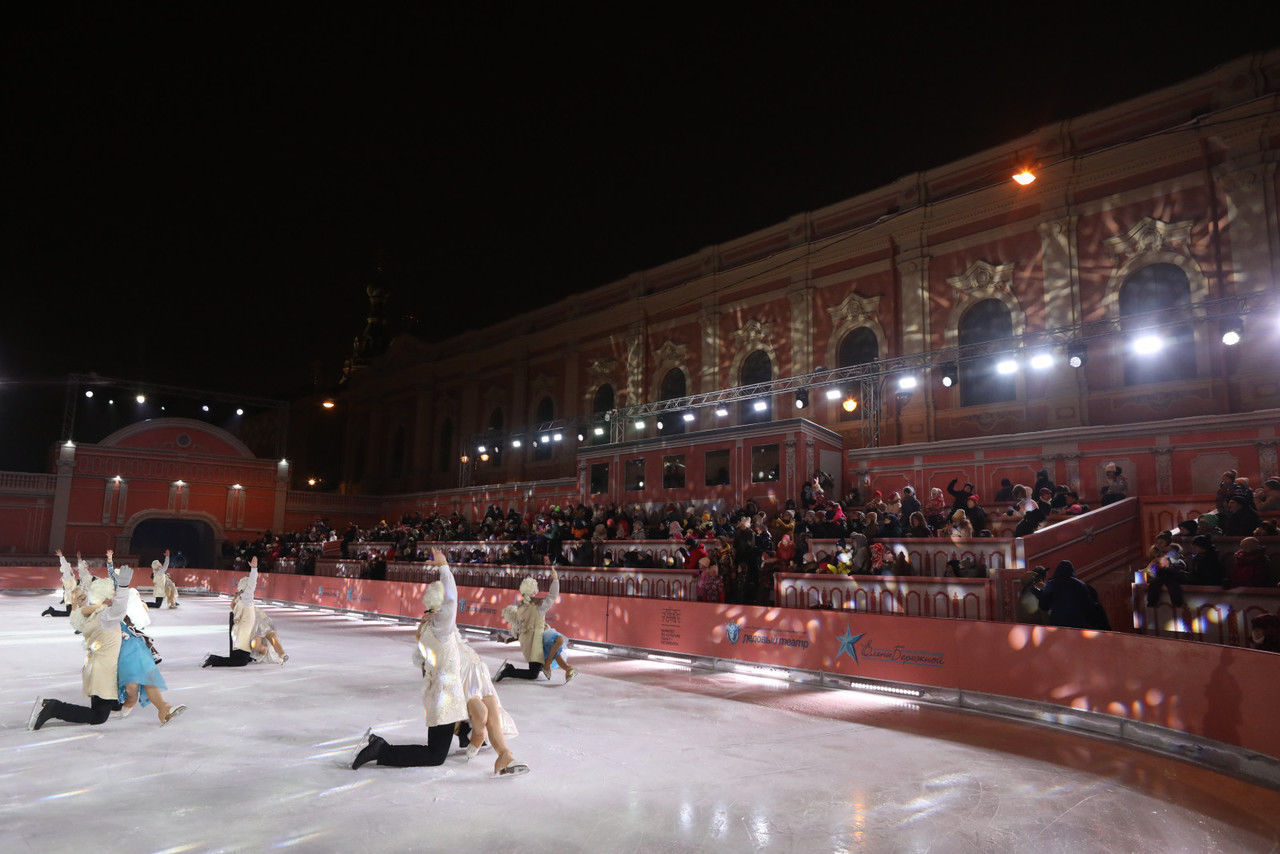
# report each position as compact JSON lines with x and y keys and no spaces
{"x":445,"y":619}
{"x":68,"y":575}
{"x":165,"y":567}
{"x":553,"y":593}
{"x":247,"y":596}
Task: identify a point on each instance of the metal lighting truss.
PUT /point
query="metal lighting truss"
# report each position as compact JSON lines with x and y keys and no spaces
{"x":870,"y":378}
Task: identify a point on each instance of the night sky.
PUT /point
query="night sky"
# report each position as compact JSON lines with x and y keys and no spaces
{"x":197,"y":197}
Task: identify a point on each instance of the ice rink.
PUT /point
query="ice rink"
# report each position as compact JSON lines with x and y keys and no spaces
{"x":632,"y":755}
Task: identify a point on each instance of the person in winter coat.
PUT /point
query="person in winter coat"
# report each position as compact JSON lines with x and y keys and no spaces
{"x":960,"y":496}
{"x":1069,"y":601}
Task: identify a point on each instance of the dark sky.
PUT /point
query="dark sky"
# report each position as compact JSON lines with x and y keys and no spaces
{"x":197,"y":197}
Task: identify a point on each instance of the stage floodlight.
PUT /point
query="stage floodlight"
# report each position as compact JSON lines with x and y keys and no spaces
{"x":599,"y":431}
{"x":907,"y":382}
{"x":484,"y":458}
{"x":834,"y":394}
{"x":639,"y":424}
{"x":721,"y":412}
{"x":849,"y":405}
{"x":329,"y":404}
{"x":1232,"y":331}
{"x":88,"y":393}
{"x":142,"y":398}
{"x":1005,"y":367}
{"x":802,"y":398}
{"x":1076,"y":354}
{"x":949,"y":374}
{"x":481,"y":449}
{"x":204,"y":408}
{"x":688,"y":417}
{"x":557,"y":437}
{"x":1024,"y":177}
{"x":515,"y":443}
{"x":239,"y":412}
{"x":1148,"y":344}
{"x":759,"y":406}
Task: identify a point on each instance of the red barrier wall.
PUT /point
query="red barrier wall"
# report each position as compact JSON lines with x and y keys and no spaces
{"x":1192,"y":687}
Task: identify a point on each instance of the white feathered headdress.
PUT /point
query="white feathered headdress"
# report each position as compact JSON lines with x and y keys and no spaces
{"x":434,"y":597}
{"x":529,"y":587}
{"x":100,"y":590}
{"x":155,"y":564}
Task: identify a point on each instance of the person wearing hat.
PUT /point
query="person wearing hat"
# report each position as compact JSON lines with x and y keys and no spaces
{"x":1250,"y":567}
{"x":98,"y":610}
{"x":1070,"y":602}
{"x":977,"y":516}
{"x":162,"y":586}
{"x":1115,"y":486}
{"x":1264,"y":631}
{"x":457,"y":693}
{"x":540,"y":644}
{"x":1241,"y":519}
{"x":253,"y":635}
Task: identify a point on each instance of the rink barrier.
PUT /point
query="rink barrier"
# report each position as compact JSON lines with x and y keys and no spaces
{"x":1212,"y":705}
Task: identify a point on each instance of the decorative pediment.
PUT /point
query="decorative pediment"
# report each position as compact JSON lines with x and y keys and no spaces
{"x":1150,"y":235}
{"x":983,"y":278}
{"x":671,"y":353}
{"x":601,"y":371}
{"x":855,"y":311}
{"x":754,"y":335}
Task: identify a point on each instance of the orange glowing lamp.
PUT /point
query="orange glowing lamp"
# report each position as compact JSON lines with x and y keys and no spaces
{"x":849,"y":404}
{"x":1024,"y":177}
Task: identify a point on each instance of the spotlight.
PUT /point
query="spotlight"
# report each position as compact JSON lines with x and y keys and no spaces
{"x":688,"y":417}
{"x":162,"y":409}
{"x":239,"y":411}
{"x":88,"y":393}
{"x":660,"y":424}
{"x":111,"y":403}
{"x":759,"y":406}
{"x":484,"y":458}
{"x":1042,"y":361}
{"x":802,"y":398}
{"x":515,"y":443}
{"x":1232,"y":328}
{"x":557,"y":437}
{"x":311,"y":481}
{"x":599,"y":431}
{"x":142,"y":398}
{"x":482,"y":449}
{"x":545,"y":439}
{"x":204,"y":408}
{"x":464,"y":459}
{"x":581,"y":436}
{"x":1148,"y":345}
{"x":1024,"y":177}
{"x":639,"y":424}
{"x":721,"y":412}
{"x":1076,"y":354}
{"x":834,"y":394}
{"x":329,"y":404}
{"x":907,"y":382}
{"x":949,"y":374}
{"x":1004,"y":367}
{"x":849,"y":404}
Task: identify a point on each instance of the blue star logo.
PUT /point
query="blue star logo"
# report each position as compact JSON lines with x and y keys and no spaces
{"x":847,"y":641}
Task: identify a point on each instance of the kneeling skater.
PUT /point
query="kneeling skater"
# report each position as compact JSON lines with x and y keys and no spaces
{"x":540,"y":644}
{"x":97,"y":617}
{"x":457,"y":693}
{"x":253,"y":634}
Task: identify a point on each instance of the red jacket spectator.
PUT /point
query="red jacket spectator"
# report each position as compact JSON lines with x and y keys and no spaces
{"x":1251,"y":569}
{"x":696,"y":553}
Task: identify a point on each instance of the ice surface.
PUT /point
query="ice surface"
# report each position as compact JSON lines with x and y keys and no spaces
{"x":631,"y":756}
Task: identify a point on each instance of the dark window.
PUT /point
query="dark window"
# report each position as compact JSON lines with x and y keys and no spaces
{"x":599,"y":478}
{"x":716,"y":472}
{"x":990,"y":325}
{"x":673,"y":472}
{"x":600,"y":405}
{"x":634,"y":475}
{"x":446,"y":445}
{"x":673,"y":386}
{"x":545,"y":415}
{"x":764,"y":463}
{"x":756,"y":368}
{"x":1157,"y":295}
{"x":858,"y":347}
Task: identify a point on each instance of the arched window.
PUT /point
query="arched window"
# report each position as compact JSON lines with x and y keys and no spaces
{"x":446,"y":445}
{"x":1155,"y":296}
{"x":673,"y":386}
{"x":858,"y":347}
{"x":988,"y":322}
{"x":756,"y":368}
{"x":545,"y":414}
{"x":397,"y":453}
